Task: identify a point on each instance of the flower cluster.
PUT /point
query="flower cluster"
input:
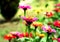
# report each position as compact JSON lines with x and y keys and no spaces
{"x":36,"y":28}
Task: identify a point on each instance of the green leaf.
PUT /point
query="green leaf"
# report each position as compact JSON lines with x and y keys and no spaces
{"x":43,"y":39}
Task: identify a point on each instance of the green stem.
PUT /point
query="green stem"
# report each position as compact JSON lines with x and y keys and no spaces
{"x":49,"y":39}
{"x":10,"y":40}
{"x":24,"y":12}
{"x":29,"y":30}
{"x":35,"y":31}
{"x":26,"y":29}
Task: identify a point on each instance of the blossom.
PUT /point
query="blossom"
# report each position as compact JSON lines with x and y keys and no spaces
{"x":57,"y":4}
{"x":53,"y":38}
{"x":57,"y":23}
{"x":48,"y":29}
{"x":29,"y":20}
{"x":57,"y":10}
{"x":15,"y":34}
{"x":36,"y":24}
{"x":58,"y":39}
{"x":28,"y":34}
{"x":49,"y":14}
{"x":24,"y":7}
{"x":21,"y":35}
{"x":8,"y":36}
{"x":40,"y":35}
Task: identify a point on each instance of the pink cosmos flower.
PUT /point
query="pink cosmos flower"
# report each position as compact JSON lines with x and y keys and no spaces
{"x":48,"y":29}
{"x":24,"y":7}
{"x":29,"y":20}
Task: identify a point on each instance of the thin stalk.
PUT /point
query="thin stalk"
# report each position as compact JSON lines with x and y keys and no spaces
{"x":24,"y":12}
{"x":10,"y":40}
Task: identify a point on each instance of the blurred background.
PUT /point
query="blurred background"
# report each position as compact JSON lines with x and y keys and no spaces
{"x":10,"y":13}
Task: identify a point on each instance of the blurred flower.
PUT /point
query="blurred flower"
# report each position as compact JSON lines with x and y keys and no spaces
{"x":15,"y":34}
{"x":41,"y":35}
{"x":24,"y":7}
{"x":8,"y":36}
{"x":28,"y":34}
{"x":58,"y":39}
{"x":49,"y":14}
{"x":29,"y":20}
{"x":37,"y":33}
{"x":21,"y":35}
{"x":57,"y":9}
{"x":57,"y":4}
{"x":53,"y":38}
{"x":57,"y":23}
{"x":36,"y":24}
{"x":48,"y":29}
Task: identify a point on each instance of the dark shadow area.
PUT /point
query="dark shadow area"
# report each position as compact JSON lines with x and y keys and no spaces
{"x":14,"y":20}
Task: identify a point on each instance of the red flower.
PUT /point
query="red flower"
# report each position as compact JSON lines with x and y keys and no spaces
{"x":28,"y":35}
{"x":57,"y":10}
{"x":57,"y":23}
{"x":9,"y":36}
{"x":49,"y":14}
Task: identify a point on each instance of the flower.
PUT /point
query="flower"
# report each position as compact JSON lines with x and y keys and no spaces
{"x":57,"y":9}
{"x":29,"y":20}
{"x":57,"y":4}
{"x":36,"y":24}
{"x":8,"y":36}
{"x":24,"y":7}
{"x":57,"y":23}
{"x":48,"y":29}
{"x":21,"y":35}
{"x":28,"y":34}
{"x":58,"y":39}
{"x":41,"y":35}
{"x":15,"y":34}
{"x":49,"y":14}
{"x":53,"y":38}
